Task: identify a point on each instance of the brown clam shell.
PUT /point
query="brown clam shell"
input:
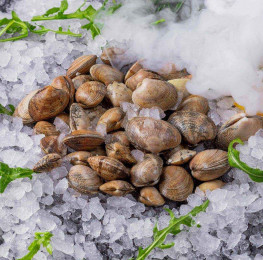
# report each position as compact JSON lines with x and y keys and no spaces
{"x":45,"y":128}
{"x":50,"y":144}
{"x":152,"y":135}
{"x":47,"y":163}
{"x":78,"y":158}
{"x":150,"y":196}
{"x":119,"y":136}
{"x":181,"y":157}
{"x":82,"y":140}
{"x":81,"y":65}
{"x":78,"y":118}
{"x":64,"y":117}
{"x":195,"y":103}
{"x":194,"y":126}
{"x":108,"y":168}
{"x":211,"y":185}
{"x":106,"y":74}
{"x":47,"y":103}
{"x":133,"y":69}
{"x":91,"y":93}
{"x":176,"y":184}
{"x":81,"y":79}
{"x":117,"y":188}
{"x":209,"y":164}
{"x":84,"y":180}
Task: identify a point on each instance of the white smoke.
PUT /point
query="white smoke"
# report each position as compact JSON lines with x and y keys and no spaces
{"x":221,"y":45}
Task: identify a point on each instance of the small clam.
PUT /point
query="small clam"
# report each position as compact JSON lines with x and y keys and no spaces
{"x":194,"y":126}
{"x":84,"y":180}
{"x":169,"y":153}
{"x":91,"y":93}
{"x":78,"y":158}
{"x":133,"y":69}
{"x":133,"y":81}
{"x":150,"y":196}
{"x":209,"y":165}
{"x":211,"y":185}
{"x":118,"y":93}
{"x":46,"y":128}
{"x":65,"y":83}
{"x":47,"y":103}
{"x":111,"y":55}
{"x":47,"y":163}
{"x":195,"y":103}
{"x":152,"y":92}
{"x":176,"y":184}
{"x":82,"y":140}
{"x":112,"y":118}
{"x":121,"y":152}
{"x":81,"y":65}
{"x":119,"y":136}
{"x":78,"y":118}
{"x":181,"y":157}
{"x":22,"y":108}
{"x":239,"y":126}
{"x":147,"y":172}
{"x":106,"y":74}
{"x":117,"y":188}
{"x":64,"y":117}
{"x":108,"y":168}
{"x":81,"y":79}
{"x":152,"y":135}
{"x":169,"y":71}
{"x":50,"y":144}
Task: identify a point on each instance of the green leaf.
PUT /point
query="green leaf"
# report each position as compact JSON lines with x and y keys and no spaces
{"x":41,"y":238}
{"x":10,"y":174}
{"x":63,"y":6}
{"x":6,"y":111}
{"x":234,"y":161}
{"x":158,"y":22}
{"x":172,"y":228}
{"x":51,"y":11}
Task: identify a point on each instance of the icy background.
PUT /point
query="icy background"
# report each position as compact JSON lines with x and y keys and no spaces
{"x":102,"y":227}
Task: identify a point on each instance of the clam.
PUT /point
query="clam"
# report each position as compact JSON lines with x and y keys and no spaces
{"x":81,"y":65}
{"x":121,"y":152}
{"x":147,"y":172}
{"x":108,"y":168}
{"x":195,"y":103}
{"x":150,"y":196}
{"x":169,"y":71}
{"x":181,"y":157}
{"x":99,"y":150}
{"x":133,"y":69}
{"x":46,"y":128}
{"x":22,"y":108}
{"x":170,"y":153}
{"x":176,"y":184}
{"x":78,"y":158}
{"x":133,"y":81}
{"x":47,"y":102}
{"x":194,"y":126}
{"x":111,"y":55}
{"x":50,"y":144}
{"x":106,"y":74}
{"x":117,"y":188}
{"x":81,"y":79}
{"x":64,"y":117}
{"x":47,"y":163}
{"x":211,"y":185}
{"x":79,"y":119}
{"x":209,"y":164}
{"x":65,"y":83}
{"x":82,"y":140}
{"x":91,"y":93}
{"x":153,"y":92}
{"x":118,"y":93}
{"x":112,"y":119}
{"x":84,"y":180}
{"x":239,"y":126}
{"x":119,"y":136}
{"x":152,"y":135}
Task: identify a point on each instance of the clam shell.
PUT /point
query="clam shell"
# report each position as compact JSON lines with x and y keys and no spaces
{"x":176,"y":184}
{"x":133,"y":69}
{"x":169,"y":72}
{"x":47,"y":163}
{"x":78,"y":158}
{"x":152,"y":135}
{"x":46,"y":128}
{"x":47,"y":103}
{"x":211,"y":185}
{"x":79,"y":119}
{"x":117,"y":188}
{"x":108,"y":168}
{"x":119,"y":136}
{"x":50,"y":144}
{"x":150,"y":196}
{"x":195,"y":103}
{"x":106,"y":74}
{"x":194,"y":126}
{"x":81,"y":65}
{"x":151,"y":93}
{"x":84,"y":180}
{"x":64,"y":117}
{"x":181,"y":157}
{"x":81,"y":79}
{"x":91,"y":93}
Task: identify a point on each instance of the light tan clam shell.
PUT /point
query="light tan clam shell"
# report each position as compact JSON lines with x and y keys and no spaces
{"x":181,"y":157}
{"x":117,"y":188}
{"x":150,"y":196}
{"x":211,"y":185}
{"x":81,"y":79}
{"x":195,"y":103}
{"x":46,"y":128}
{"x":78,"y":158}
{"x":133,"y":69}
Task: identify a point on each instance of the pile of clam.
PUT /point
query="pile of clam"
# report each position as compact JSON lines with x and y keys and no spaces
{"x":101,"y":139}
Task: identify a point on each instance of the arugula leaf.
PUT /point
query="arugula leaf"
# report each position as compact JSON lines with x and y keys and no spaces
{"x":10,"y":174}
{"x":6,"y":111}
{"x":158,"y":22}
{"x":234,"y":161}
{"x":41,"y":238}
{"x":159,"y":236}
